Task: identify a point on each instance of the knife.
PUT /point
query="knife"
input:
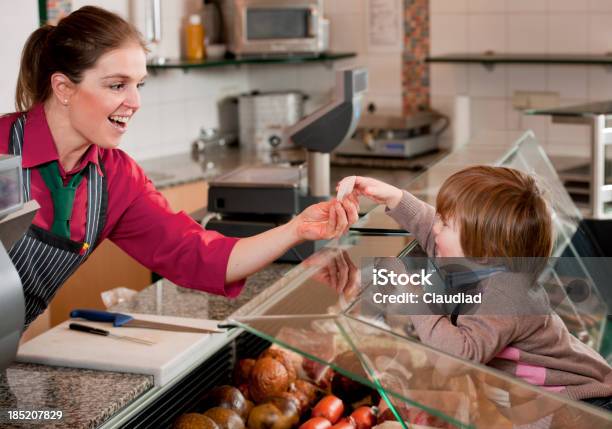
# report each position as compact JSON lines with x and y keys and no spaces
{"x":125,"y":320}
{"x":96,"y":331}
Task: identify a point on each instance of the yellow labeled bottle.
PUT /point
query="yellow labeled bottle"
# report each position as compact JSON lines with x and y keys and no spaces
{"x":194,"y":39}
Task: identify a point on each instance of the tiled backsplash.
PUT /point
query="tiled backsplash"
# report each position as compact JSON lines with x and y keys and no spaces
{"x":520,"y":26}
{"x":416,"y":48}
{"x":176,"y":104}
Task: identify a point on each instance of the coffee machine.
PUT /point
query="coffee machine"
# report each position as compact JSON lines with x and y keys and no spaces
{"x":253,"y":199}
{"x":15,"y":218}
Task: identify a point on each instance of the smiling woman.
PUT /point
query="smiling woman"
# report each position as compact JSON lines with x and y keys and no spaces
{"x":91,"y":67}
{"x":77,"y":91}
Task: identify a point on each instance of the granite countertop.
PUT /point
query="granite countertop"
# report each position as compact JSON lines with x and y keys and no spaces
{"x":89,"y":398}
{"x":215,"y":160}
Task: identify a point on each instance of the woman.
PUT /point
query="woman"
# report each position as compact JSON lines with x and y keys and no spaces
{"x":78,"y":88}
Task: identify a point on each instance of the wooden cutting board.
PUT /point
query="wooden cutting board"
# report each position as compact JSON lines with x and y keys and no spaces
{"x":172,"y":353}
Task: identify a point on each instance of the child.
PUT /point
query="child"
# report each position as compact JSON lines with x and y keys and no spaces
{"x":497,"y":212}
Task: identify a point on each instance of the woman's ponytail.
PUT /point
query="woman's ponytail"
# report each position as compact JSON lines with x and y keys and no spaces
{"x":33,"y":70}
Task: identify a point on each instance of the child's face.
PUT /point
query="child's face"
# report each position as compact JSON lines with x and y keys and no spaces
{"x":447,"y":238}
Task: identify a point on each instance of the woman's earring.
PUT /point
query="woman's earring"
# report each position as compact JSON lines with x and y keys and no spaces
{"x":65,"y":102}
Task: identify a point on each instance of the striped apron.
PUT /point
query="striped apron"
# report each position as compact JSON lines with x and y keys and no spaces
{"x":44,"y":260}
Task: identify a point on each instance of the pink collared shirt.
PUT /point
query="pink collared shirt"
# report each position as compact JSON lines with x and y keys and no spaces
{"x":138,"y":218}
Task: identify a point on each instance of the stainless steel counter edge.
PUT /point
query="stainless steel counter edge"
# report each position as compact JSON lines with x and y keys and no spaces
{"x":141,"y":402}
{"x":256,"y":305}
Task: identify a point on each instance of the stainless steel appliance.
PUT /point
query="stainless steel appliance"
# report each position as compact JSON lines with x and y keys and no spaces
{"x":15,"y":217}
{"x":273,"y":27}
{"x":395,"y":137}
{"x":264,"y":115}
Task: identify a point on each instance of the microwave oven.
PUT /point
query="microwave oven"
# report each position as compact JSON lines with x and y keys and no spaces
{"x":276,"y":27}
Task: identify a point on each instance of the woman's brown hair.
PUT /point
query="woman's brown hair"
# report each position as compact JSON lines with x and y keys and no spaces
{"x":71,"y":47}
{"x":500,"y":213}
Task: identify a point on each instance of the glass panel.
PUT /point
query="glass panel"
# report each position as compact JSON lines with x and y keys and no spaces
{"x":331,"y":275}
{"x":376,"y":221}
{"x":427,"y":184}
{"x":422,"y":384}
{"x":457,"y":392}
{"x":324,"y":312}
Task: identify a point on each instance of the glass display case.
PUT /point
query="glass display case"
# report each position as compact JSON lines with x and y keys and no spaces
{"x":320,"y":314}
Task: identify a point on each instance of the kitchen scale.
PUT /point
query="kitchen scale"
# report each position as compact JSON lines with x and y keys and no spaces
{"x":379,"y":136}
{"x":254,"y":199}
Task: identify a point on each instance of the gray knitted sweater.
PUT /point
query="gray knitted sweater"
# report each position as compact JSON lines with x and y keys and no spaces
{"x":539,"y":349}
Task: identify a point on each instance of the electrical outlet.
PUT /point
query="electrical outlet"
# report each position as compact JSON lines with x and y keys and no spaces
{"x":522,"y":100}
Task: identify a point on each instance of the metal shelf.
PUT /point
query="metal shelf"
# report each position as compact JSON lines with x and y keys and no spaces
{"x":225,"y":62}
{"x":490,"y":59}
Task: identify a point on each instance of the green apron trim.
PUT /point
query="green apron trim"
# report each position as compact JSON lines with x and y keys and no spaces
{"x":63,"y":196}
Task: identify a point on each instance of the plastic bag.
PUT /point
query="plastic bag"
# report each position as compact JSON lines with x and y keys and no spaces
{"x":116,"y":296}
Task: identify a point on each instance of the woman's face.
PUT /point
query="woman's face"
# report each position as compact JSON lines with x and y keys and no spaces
{"x":108,"y":96}
{"x":447,"y":238}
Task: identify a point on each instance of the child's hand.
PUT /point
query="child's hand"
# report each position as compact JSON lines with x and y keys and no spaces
{"x":378,"y":191}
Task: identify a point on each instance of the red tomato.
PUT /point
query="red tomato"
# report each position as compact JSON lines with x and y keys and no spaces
{"x":330,"y":407}
{"x":364,"y":417}
{"x":316,"y":423}
{"x":345,"y":423}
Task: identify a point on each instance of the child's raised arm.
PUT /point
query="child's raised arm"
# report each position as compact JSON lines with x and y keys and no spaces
{"x":412,"y":214}
{"x":378,"y":191}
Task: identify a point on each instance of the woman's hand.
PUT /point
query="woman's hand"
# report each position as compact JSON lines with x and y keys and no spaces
{"x":323,"y":221}
{"x":327,"y":220}
{"x":378,"y":191}
{"x":337,"y":270}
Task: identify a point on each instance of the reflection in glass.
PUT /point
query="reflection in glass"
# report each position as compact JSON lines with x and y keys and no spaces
{"x":325,"y":313}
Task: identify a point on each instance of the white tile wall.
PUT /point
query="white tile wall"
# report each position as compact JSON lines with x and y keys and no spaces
{"x":568,"y":33}
{"x":484,"y":6}
{"x":445,"y":104}
{"x":521,"y":78}
{"x":448,"y":6}
{"x":449,"y":79}
{"x":385,"y":73}
{"x":16,"y":24}
{"x":600,"y":6}
{"x":600,"y":33}
{"x":449,"y":33}
{"x":119,"y":7}
{"x":527,"y":33}
{"x":487,"y":32}
{"x":521,"y":26}
{"x":176,"y":104}
{"x":527,"y":6}
{"x":569,"y":5}
{"x":570,"y":81}
{"x":487,"y":83}
{"x":600,"y":83}
{"x":488,"y":113}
